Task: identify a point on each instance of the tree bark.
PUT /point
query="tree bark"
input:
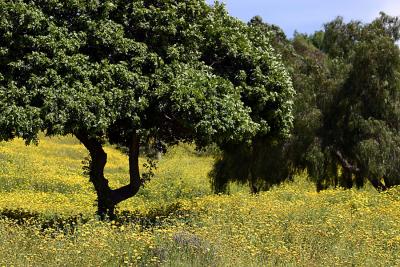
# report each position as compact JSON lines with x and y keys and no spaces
{"x":253,"y":187}
{"x":378,"y":184}
{"x":346,"y":180}
{"x":345,"y":164}
{"x":108,"y":198}
{"x":355,"y":170}
{"x":389,"y":182}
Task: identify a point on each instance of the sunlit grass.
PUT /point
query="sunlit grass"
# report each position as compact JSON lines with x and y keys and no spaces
{"x":175,"y":220}
{"x":49,"y":177}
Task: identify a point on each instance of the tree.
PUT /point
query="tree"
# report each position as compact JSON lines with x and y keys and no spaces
{"x":361,"y":128}
{"x":339,"y":37}
{"x":267,"y":162}
{"x":258,"y":162}
{"x":357,"y":137}
{"x":125,"y":71}
{"x":346,"y":113}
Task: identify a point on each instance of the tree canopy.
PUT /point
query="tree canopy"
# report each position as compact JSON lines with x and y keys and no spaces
{"x":346,"y":113}
{"x":361,"y":127}
{"x":122,"y":71}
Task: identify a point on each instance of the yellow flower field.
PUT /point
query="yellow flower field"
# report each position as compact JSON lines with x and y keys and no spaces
{"x":47,"y":216}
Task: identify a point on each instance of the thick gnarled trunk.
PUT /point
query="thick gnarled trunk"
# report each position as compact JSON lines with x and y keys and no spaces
{"x":108,"y":198}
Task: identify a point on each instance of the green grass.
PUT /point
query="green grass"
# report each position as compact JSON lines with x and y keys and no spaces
{"x":47,"y":216}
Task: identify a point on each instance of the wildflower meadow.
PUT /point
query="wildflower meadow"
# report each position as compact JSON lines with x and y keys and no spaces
{"x":47,"y":209}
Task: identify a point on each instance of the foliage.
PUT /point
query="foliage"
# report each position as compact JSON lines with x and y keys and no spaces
{"x":345,"y":110}
{"x":360,"y":130}
{"x":269,"y":162}
{"x":125,"y":72}
{"x":259,"y":162}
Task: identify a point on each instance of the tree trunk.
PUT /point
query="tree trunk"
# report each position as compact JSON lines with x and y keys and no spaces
{"x":345,"y":164}
{"x":108,"y":198}
{"x":321,"y":186}
{"x":389,"y":182}
{"x":253,"y":187}
{"x":346,"y":179}
{"x":378,"y":184}
{"x":359,"y":181}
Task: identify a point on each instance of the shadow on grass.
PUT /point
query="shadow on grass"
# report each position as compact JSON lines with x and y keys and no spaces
{"x":68,"y":224}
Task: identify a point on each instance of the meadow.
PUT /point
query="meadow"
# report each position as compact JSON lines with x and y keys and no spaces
{"x":47,"y":209}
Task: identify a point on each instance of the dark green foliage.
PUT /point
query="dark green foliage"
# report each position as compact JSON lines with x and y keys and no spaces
{"x":346,"y":110}
{"x":126,"y":72}
{"x":267,"y":162}
{"x":178,"y":70}
{"x":339,"y":37}
{"x":261,"y":162}
{"x":357,"y":136}
{"x":361,"y":129}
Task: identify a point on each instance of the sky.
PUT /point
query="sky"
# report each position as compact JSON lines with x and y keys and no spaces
{"x":308,"y":16}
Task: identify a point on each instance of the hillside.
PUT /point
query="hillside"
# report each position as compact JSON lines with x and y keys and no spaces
{"x":47,"y":216}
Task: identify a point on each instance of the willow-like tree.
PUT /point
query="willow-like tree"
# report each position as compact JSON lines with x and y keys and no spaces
{"x":361,"y":128}
{"x":126,"y":71}
{"x":346,"y":111}
{"x":357,"y":136}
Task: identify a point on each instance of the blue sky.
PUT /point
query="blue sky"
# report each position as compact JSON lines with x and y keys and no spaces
{"x":307,"y":16}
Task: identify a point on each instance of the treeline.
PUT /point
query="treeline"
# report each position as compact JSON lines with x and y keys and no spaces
{"x":346,"y":111}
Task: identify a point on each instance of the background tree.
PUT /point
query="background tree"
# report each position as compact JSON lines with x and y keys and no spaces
{"x":268,"y":162}
{"x":258,"y":162}
{"x":345,"y":110}
{"x":124,"y":72}
{"x":361,"y":127}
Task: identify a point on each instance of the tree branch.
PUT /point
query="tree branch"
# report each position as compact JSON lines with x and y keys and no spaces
{"x":98,"y":162}
{"x":346,"y":164}
{"x":135,"y":181}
